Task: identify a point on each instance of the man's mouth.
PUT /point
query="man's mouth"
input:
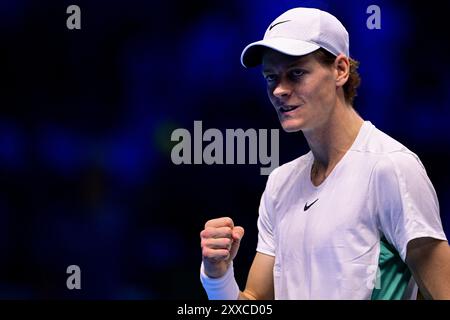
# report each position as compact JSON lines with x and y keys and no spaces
{"x":285,"y":109}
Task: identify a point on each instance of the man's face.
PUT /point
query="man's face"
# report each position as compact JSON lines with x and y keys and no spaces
{"x":302,"y":90}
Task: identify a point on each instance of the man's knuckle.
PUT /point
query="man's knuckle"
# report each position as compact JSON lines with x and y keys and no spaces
{"x":207,"y":252}
{"x":205,"y":233}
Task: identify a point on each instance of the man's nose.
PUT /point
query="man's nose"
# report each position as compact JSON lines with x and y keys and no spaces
{"x":282,"y":89}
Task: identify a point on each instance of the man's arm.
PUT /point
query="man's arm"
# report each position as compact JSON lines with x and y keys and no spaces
{"x":429,"y":261}
{"x":220,"y":242}
{"x":260,"y":279}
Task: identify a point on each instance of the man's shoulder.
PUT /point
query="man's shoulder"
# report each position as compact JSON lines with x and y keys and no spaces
{"x":290,"y":169}
{"x":385,"y":150}
{"x":379,"y":142}
{"x":389,"y":152}
{"x":402,"y":162}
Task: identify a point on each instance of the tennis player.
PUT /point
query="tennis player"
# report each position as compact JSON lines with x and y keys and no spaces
{"x":357,"y":216}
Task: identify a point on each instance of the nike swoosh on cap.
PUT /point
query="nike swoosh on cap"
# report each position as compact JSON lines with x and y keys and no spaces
{"x":270,"y":28}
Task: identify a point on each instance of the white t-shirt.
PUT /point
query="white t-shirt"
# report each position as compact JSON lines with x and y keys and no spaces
{"x":347,"y":238}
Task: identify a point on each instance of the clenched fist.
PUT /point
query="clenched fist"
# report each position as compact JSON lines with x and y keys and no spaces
{"x":220,"y":242}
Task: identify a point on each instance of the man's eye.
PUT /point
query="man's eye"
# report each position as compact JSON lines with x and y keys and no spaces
{"x":297,"y":73}
{"x":270,"y":77}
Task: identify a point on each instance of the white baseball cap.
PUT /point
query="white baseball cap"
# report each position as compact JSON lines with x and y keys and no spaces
{"x":297,"y":32}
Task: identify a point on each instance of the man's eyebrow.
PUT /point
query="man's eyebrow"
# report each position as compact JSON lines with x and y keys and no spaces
{"x":299,"y":62}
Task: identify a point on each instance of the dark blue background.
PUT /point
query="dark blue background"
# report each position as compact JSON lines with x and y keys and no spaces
{"x":86,"y":117}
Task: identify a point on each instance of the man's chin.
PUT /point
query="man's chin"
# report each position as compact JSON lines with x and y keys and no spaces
{"x":291,"y":127}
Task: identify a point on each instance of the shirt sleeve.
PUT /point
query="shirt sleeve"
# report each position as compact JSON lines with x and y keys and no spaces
{"x":266,"y":242}
{"x":406,"y":203}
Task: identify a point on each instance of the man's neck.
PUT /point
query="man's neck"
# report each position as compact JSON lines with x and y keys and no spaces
{"x":330,"y":142}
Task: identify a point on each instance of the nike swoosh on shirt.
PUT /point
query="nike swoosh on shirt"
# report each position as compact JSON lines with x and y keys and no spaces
{"x":306,"y":205}
{"x":270,"y":28}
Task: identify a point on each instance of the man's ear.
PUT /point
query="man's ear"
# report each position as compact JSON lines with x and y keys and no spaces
{"x":342,"y":67}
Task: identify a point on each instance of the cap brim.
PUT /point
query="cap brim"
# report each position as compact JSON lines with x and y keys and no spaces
{"x":252,"y":54}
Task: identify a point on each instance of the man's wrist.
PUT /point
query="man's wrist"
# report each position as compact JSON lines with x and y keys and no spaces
{"x":223,"y":288}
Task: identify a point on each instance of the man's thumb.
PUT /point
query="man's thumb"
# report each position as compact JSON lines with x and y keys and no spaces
{"x":238,"y":233}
